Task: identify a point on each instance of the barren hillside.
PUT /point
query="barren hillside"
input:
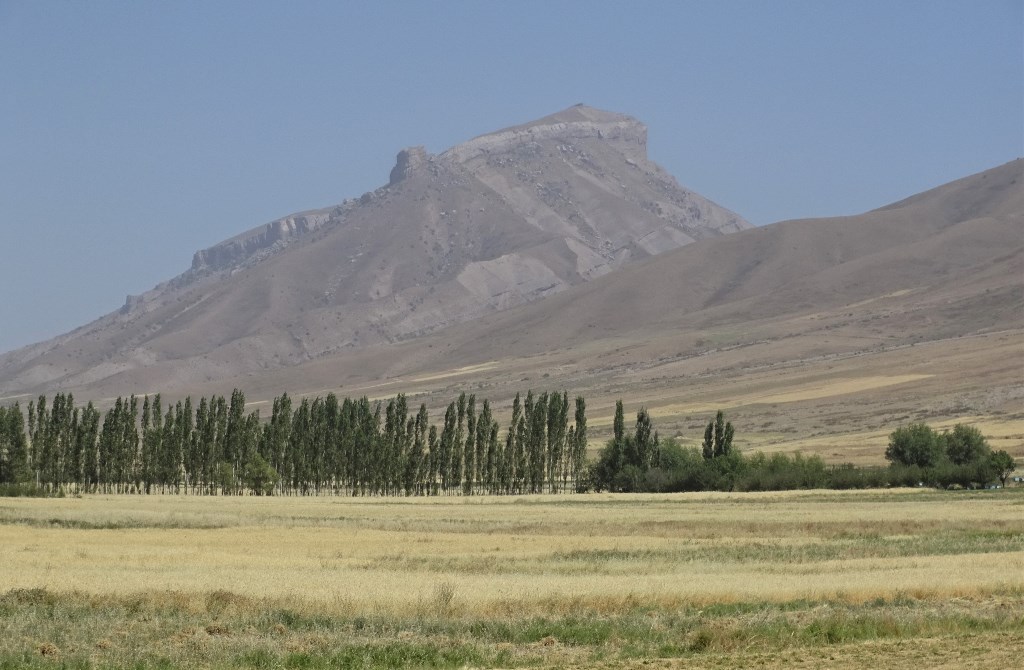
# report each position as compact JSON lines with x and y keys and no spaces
{"x":821,"y":335}
{"x":501,"y":220}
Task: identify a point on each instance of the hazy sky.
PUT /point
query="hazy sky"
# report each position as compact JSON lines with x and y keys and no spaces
{"x":133,"y":133}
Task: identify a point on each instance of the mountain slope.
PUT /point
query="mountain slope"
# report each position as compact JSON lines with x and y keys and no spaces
{"x":499,"y":221}
{"x":959,"y":244}
{"x":821,"y":335}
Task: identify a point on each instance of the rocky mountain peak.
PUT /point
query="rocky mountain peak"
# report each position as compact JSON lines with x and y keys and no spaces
{"x":571,"y":125}
{"x":504,"y":219}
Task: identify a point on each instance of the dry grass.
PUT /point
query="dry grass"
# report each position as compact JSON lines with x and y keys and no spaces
{"x":715,"y":579}
{"x":795,"y":391}
{"x":391,"y":554}
{"x":842,"y":579}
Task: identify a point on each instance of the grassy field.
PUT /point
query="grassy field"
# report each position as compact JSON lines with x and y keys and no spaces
{"x":843,"y":579}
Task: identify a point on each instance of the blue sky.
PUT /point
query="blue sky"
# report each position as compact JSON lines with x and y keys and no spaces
{"x":133,"y":133}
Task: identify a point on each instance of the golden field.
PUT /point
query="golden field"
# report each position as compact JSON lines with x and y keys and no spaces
{"x":430,"y":571}
{"x":388,"y":554}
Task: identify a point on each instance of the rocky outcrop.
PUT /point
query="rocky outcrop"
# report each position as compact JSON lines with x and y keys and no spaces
{"x":408,"y":161}
{"x":236,"y":250}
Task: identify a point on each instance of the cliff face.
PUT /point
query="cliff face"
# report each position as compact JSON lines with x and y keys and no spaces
{"x":409,"y":161}
{"x":498,"y":221}
{"x":237,"y":250}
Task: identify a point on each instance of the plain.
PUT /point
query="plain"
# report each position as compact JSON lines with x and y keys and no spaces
{"x":595,"y":580}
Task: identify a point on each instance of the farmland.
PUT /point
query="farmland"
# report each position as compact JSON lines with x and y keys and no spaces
{"x":598,"y":580}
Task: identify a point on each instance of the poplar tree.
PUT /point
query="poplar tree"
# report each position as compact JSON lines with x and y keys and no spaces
{"x":300,"y":439}
{"x":415,"y":464}
{"x":619,"y":423}
{"x":618,"y":447}
{"x":433,"y":459}
{"x":88,"y":432}
{"x":106,"y":465}
{"x":537,"y":445}
{"x":445,"y":446}
{"x":579,"y":451}
{"x":457,"y":443}
{"x":153,"y":425}
{"x":718,"y":437}
{"x":507,"y":470}
{"x":485,"y":447}
{"x":13,"y":446}
{"x":520,"y":462}
{"x":469,"y":460}
{"x":190,"y":458}
{"x":495,"y":456}
{"x":643,"y":440}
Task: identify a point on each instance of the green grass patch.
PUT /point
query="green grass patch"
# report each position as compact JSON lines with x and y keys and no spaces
{"x":42,"y":629}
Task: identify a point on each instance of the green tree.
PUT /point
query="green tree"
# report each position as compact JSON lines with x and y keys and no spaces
{"x":446,"y":448}
{"x":718,"y":436}
{"x":619,"y":423}
{"x":415,"y":467}
{"x":234,"y":437}
{"x":259,"y":476}
{"x":579,"y":440}
{"x":965,"y":444}
{"x":1003,"y":464}
{"x":644,"y":442}
{"x":14,"y":467}
{"x":708,"y":445}
{"x":433,"y":460}
{"x":484,"y":454}
{"x":916,"y":444}
{"x":537,"y":443}
{"x":469,"y":459}
{"x":723,"y":433}
{"x":151,"y":442}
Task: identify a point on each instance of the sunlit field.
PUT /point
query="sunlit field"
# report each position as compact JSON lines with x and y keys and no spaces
{"x":687,"y":579}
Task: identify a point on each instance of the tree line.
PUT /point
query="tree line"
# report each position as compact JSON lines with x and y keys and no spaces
{"x":323,"y":445}
{"x":918,"y":455}
{"x":958,"y":457}
{"x":358,"y":447}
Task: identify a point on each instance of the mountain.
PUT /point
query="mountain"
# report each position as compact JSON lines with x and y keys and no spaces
{"x":821,"y":335}
{"x":499,"y":221}
{"x":954,"y":255}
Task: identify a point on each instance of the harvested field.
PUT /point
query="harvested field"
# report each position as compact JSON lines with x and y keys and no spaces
{"x":706,"y":580}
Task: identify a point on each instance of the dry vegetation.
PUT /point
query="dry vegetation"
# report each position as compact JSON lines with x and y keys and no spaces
{"x":711,"y":580}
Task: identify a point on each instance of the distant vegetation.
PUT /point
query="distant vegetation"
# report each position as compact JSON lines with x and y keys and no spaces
{"x":355,"y":447}
{"x":960,"y":457}
{"x":918,"y":455}
{"x":325,"y":445}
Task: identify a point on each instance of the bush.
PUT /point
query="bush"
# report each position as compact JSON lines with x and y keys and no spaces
{"x":27,"y":490}
{"x":849,"y":476}
{"x":780,"y":472}
{"x":260,"y":477}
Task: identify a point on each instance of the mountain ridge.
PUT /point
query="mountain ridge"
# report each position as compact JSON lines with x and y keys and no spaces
{"x":820,"y":335}
{"x":500,"y":220}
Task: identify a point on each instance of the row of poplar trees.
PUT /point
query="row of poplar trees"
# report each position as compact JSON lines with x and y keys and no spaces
{"x":324,"y":445}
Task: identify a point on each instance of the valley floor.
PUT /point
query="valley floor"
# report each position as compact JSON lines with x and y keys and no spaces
{"x":809,"y":578}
